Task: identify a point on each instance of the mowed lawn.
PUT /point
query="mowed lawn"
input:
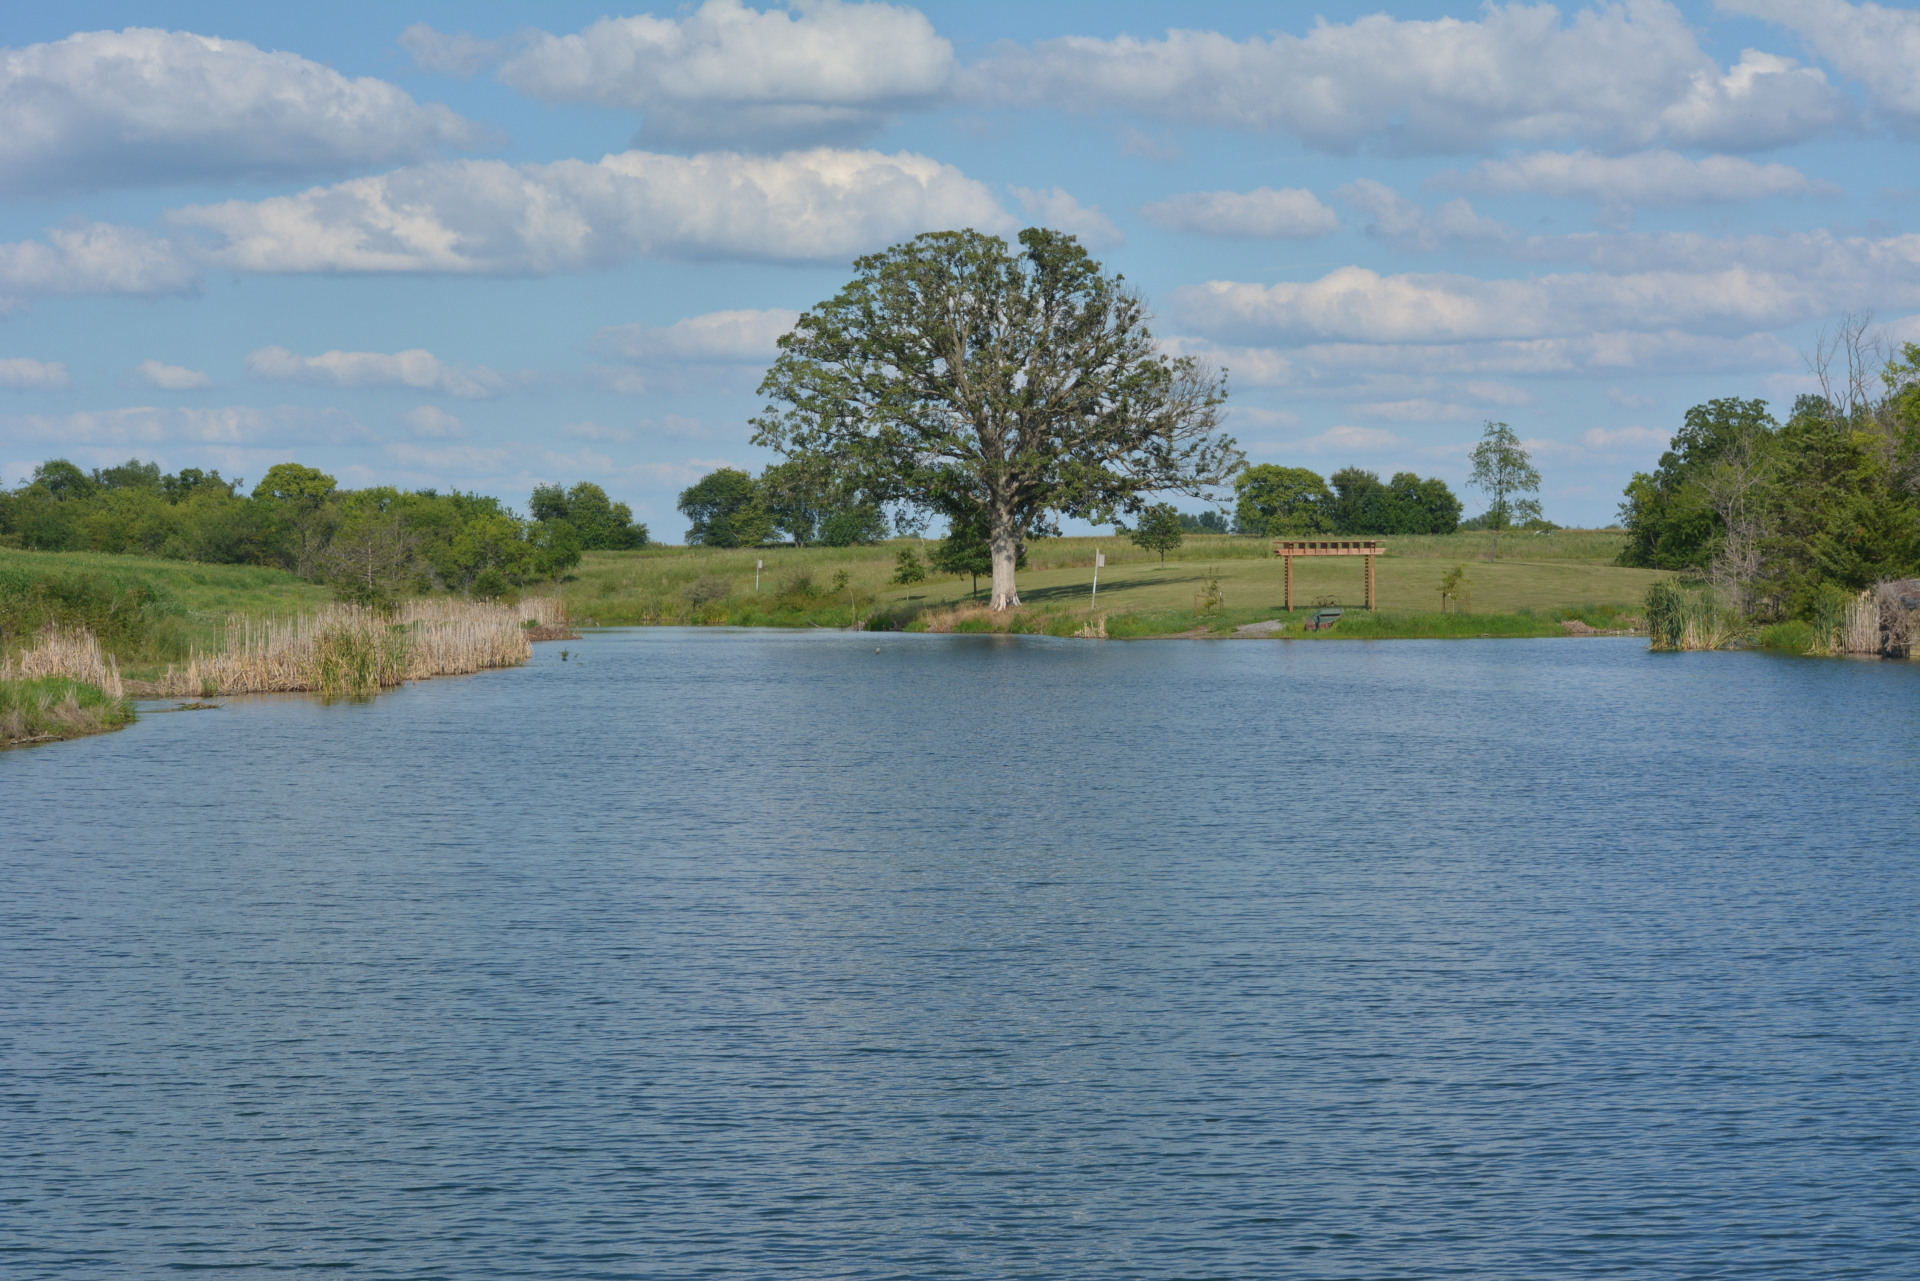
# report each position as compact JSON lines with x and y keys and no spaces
{"x":1567,"y":569}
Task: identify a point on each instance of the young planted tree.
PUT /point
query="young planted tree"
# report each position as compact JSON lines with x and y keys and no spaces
{"x":1503,"y":470}
{"x":953,"y":374}
{"x":1160,"y":530}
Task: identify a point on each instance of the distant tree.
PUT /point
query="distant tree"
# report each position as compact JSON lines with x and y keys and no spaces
{"x":1503,"y":470}
{"x":373,"y":558}
{"x":728,"y":509}
{"x":851,"y":526}
{"x":1275,"y":501}
{"x":132,"y":474}
{"x":1456,"y":586}
{"x":1207,"y":522}
{"x":599,"y":523}
{"x":1158,"y":530}
{"x":556,"y":547}
{"x":907,"y":569}
{"x":292,"y":482}
{"x":1424,"y":506}
{"x":1405,"y":505}
{"x":191,"y":481}
{"x":952,"y":372}
{"x":62,"y":480}
{"x":1670,"y":512}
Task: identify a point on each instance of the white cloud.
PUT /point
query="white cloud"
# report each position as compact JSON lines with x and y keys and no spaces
{"x":1647,"y":178}
{"x":488,"y":217}
{"x":1628,"y":400}
{"x":1407,"y":226}
{"x":1870,"y":43}
{"x":433,"y":422}
{"x":418,"y":369}
{"x":595,"y":432}
{"x":94,"y":258}
{"x":142,"y":107}
{"x":744,"y":337}
{"x":1618,"y":76}
{"x":1290,"y":213}
{"x":725,"y":74}
{"x":170,"y":377}
{"x":465,"y":459}
{"x":1498,"y":393}
{"x":148,"y":425}
{"x":1056,"y":209}
{"x":1415,"y":411}
{"x":24,"y":373}
{"x":1343,"y":440}
{"x":1617,"y":440}
{"x":1335,"y":366}
{"x":1741,"y":297}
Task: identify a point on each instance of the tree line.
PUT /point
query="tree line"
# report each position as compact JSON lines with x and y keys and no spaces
{"x":369,"y":544}
{"x":1785,"y":519}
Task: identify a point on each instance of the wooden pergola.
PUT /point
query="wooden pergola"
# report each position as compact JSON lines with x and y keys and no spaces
{"x":1287,"y":549}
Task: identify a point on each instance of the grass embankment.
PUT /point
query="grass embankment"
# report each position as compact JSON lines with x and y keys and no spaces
{"x":203,"y":630}
{"x":64,"y":687}
{"x":1538,"y":581}
{"x":53,"y":708}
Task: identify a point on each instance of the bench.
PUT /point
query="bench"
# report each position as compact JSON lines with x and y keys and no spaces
{"x":1322,"y":619}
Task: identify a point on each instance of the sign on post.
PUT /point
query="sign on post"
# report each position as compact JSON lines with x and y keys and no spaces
{"x":1099,"y":562}
{"x":758,"y":565}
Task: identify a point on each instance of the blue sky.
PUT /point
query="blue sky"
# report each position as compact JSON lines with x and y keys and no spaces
{"x":487,"y":245}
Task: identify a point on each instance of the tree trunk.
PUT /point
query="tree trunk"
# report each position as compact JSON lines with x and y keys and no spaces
{"x":1006,"y":554}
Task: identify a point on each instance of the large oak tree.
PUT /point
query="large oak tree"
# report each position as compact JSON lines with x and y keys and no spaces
{"x":956,"y":375}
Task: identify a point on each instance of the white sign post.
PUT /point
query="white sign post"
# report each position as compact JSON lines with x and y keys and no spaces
{"x":1099,"y":560}
{"x":758,"y":565}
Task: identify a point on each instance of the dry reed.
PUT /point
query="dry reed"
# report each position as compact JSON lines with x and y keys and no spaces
{"x":351,"y":649}
{"x":72,"y":654}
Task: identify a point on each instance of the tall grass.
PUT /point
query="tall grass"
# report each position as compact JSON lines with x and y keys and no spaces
{"x":354,"y":650}
{"x":1682,"y":620}
{"x":337,"y":650}
{"x":52,"y":707}
{"x":66,"y":653}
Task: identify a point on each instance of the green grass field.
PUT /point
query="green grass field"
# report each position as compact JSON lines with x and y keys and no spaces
{"x":1538,"y":579}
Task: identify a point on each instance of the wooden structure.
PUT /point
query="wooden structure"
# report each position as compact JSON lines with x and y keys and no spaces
{"x":1287,"y":549}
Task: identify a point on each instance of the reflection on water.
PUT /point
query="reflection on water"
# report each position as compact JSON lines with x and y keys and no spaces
{"x":736,"y":954}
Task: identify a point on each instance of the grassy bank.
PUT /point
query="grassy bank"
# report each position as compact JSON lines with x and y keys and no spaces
{"x":52,"y":708}
{"x":1546,"y":577}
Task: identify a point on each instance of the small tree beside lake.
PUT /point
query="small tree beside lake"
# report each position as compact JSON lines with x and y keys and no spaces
{"x":1503,"y":470}
{"x":1160,"y":530}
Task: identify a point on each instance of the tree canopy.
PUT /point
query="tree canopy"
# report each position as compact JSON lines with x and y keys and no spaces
{"x":955,"y":375}
{"x":1503,"y":470}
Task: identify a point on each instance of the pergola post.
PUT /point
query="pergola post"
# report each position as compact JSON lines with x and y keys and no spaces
{"x":1287,"y":549}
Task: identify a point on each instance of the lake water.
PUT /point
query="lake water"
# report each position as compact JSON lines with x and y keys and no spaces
{"x":716,"y":954}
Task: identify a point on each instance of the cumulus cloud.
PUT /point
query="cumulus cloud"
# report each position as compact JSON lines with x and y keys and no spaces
{"x":416,"y":368}
{"x":1616,"y":440}
{"x":148,"y":425}
{"x":1617,"y":76}
{"x":595,"y":432}
{"x":1290,"y":213}
{"x":170,"y":377}
{"x":1700,"y":285}
{"x":433,"y":422}
{"x":744,"y":337}
{"x":24,"y":373}
{"x":1877,"y":46}
{"x":1056,"y":209}
{"x":94,"y":258}
{"x":1648,"y":178}
{"x":725,"y":74}
{"x":1418,"y":410}
{"x":1407,"y":226}
{"x":488,"y":217}
{"x":1343,"y":440}
{"x":142,"y":107}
